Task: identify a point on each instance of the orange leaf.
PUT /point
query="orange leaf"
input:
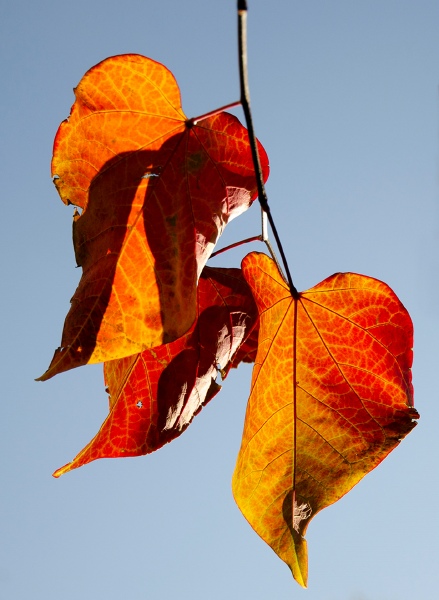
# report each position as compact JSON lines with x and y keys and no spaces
{"x":154,"y":395}
{"x":156,"y":192}
{"x":340,"y":354}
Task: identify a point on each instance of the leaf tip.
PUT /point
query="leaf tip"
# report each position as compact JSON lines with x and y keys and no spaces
{"x":65,"y":469}
{"x":299,"y":565}
{"x":42,"y":377}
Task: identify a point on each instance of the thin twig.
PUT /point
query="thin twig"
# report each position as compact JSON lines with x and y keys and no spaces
{"x":215,"y":112}
{"x":264,"y":225}
{"x":245,"y":102}
{"x":264,"y":238}
{"x":256,"y":238}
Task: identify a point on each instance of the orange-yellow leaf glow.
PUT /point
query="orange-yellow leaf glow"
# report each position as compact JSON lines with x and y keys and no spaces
{"x":348,"y":341}
{"x":154,"y":395}
{"x":155,"y":192}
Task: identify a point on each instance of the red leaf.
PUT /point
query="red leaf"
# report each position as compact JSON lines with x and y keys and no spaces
{"x":156,"y":193}
{"x":154,"y":395}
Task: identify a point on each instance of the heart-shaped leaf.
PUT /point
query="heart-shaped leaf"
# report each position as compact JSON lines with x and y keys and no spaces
{"x":156,"y":191}
{"x":331,"y":396}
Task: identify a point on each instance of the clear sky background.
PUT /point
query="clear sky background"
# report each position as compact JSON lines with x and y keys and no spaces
{"x":345,"y":101}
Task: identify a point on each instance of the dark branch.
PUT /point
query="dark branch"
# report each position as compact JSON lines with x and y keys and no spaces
{"x":245,"y":102}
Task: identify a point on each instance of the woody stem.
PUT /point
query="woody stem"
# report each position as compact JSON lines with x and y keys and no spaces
{"x":245,"y":102}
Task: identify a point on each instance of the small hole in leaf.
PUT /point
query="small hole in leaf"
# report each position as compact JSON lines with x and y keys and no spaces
{"x":54,"y":178}
{"x":139,"y":404}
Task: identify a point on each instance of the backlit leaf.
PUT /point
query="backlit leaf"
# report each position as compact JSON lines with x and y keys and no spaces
{"x":155,"y":193}
{"x":154,"y":395}
{"x":248,"y":349}
{"x":342,"y":351}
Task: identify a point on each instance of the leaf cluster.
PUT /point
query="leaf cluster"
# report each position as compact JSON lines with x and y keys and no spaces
{"x":331,"y":391}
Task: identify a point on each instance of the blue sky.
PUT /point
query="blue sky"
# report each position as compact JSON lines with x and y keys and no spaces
{"x":345,"y":101}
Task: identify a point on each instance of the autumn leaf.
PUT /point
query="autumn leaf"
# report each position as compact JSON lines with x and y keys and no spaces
{"x":155,"y":395}
{"x":247,"y":351}
{"x":155,"y":192}
{"x":332,"y":378}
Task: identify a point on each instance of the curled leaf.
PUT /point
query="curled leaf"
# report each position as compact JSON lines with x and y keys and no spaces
{"x":155,"y":193}
{"x":155,"y":395}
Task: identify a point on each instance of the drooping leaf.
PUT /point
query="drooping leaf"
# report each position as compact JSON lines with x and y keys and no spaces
{"x":155,"y":192}
{"x":154,"y":395}
{"x":342,"y":351}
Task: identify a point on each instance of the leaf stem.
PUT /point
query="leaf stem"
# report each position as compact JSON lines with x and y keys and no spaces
{"x":264,"y":224}
{"x":264,"y":238}
{"x":212,"y":113}
{"x":256,"y":238}
{"x":245,"y":102}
